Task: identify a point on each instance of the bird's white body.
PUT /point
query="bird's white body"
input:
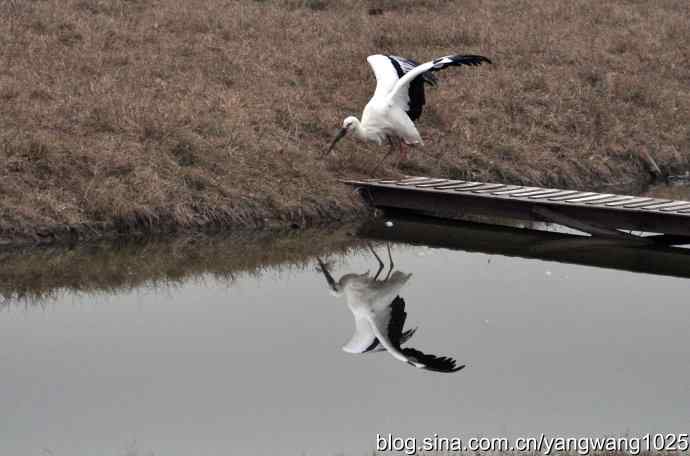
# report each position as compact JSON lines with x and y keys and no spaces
{"x":385,"y":115}
{"x":398,"y":99}
{"x":381,"y":119}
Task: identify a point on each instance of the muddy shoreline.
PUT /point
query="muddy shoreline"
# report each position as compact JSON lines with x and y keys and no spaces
{"x":160,"y":227}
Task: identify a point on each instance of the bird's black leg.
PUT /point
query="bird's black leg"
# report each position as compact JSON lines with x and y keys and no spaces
{"x":390,"y":260}
{"x":377,"y":259}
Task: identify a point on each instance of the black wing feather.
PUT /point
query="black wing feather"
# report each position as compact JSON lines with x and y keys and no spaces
{"x":395,"y":326}
{"x":373,"y":345}
{"x":416,"y":90}
{"x":377,"y":347}
{"x":397,"y":321}
{"x":459,"y":60}
{"x":403,"y":65}
{"x":398,"y":336}
{"x":432,"y":362}
{"x":395,"y":333}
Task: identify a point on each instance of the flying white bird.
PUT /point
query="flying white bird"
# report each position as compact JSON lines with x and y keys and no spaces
{"x":380,"y":315}
{"x":398,"y":99}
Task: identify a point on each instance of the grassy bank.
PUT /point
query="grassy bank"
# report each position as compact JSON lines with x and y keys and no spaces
{"x":151,"y":115}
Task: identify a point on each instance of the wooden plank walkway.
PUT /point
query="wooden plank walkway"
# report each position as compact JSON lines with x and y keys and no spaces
{"x":602,"y":214}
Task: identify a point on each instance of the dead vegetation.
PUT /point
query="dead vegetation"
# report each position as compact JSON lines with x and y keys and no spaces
{"x":150,"y":115}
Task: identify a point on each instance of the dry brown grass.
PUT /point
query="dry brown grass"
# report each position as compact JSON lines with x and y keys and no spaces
{"x":155,"y":115}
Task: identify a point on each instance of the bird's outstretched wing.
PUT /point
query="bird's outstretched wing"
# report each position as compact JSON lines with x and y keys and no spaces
{"x":385,"y":73}
{"x":405,"y":92}
{"x":388,"y":70}
{"x":396,"y":322}
{"x":415,"y":93}
{"x":403,"y":66}
{"x":387,"y":326}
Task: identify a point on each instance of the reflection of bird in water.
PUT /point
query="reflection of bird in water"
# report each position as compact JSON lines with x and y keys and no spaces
{"x":380,"y":316}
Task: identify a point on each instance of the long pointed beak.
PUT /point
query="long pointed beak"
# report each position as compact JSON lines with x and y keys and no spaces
{"x":341,"y":132}
{"x":329,"y":278}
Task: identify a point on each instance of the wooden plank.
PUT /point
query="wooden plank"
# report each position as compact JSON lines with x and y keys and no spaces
{"x":490,"y":190}
{"x":590,"y":198}
{"x":667,"y":206}
{"x":540,"y":193}
{"x":507,"y":189}
{"x":523,"y":191}
{"x":628,"y":199}
{"x":613,"y":199}
{"x":559,"y":193}
{"x":573,"y":196}
{"x":643,"y":205}
{"x":413,"y":181}
{"x":460,"y":185}
{"x":487,"y":187}
{"x":410,"y":180}
{"x":432,"y":183}
{"x":644,"y":200}
{"x":677,"y":208}
{"x":510,"y":192}
{"x":462,"y":199}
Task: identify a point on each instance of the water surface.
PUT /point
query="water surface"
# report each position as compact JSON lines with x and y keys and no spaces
{"x":233,"y":347}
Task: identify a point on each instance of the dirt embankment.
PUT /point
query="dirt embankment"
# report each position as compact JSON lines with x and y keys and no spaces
{"x":125,"y":116}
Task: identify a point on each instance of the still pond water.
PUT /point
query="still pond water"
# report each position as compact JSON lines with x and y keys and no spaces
{"x":243,"y":358}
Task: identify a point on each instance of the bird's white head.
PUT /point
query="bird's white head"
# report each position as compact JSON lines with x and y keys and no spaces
{"x":349,"y":124}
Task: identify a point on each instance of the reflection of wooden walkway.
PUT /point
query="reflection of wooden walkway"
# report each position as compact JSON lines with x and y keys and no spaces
{"x":525,"y":243}
{"x":601,"y":214}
